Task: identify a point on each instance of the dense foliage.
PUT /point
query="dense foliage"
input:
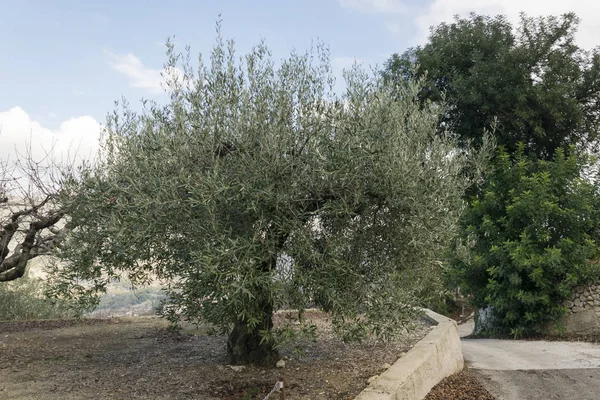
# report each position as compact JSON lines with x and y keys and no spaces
{"x":530,"y":229}
{"x":257,"y":188}
{"x":531,"y":79}
{"x":530,"y":234}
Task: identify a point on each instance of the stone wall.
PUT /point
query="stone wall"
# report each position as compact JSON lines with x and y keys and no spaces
{"x":584,"y":298}
{"x":583,"y":310}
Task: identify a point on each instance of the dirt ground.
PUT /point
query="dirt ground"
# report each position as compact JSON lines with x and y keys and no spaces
{"x":139,"y":358}
{"x":462,"y":386}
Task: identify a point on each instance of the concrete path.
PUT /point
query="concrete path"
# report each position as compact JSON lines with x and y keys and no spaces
{"x":535,"y":384}
{"x":534,"y":370}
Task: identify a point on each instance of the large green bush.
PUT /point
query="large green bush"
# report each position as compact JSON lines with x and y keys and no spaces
{"x":529,"y":235}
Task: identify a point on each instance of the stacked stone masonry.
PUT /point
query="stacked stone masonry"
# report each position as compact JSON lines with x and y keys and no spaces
{"x":583,"y":312}
{"x":586,"y":298}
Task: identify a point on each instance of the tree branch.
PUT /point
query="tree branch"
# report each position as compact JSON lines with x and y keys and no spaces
{"x":14,"y":267}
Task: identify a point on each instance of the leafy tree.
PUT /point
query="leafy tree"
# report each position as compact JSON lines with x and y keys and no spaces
{"x":532,"y":79}
{"x":257,"y":188}
{"x":529,"y":231}
{"x":529,"y":234}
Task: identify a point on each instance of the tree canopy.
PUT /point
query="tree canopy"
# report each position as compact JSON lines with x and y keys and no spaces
{"x":531,"y":79}
{"x":531,"y":227}
{"x":257,"y":188}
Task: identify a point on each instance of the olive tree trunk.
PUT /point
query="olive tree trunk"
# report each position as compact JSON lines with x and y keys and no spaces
{"x":245,"y":344}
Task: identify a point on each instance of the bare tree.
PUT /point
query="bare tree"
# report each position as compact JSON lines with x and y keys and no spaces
{"x":32,"y":217}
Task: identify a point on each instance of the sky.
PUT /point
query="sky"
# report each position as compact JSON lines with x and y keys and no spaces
{"x":64,"y":63}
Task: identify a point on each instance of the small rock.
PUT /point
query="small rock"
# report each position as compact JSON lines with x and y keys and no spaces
{"x":386,"y":366}
{"x":237,"y":368}
{"x":372,"y":379}
{"x":280,"y":364}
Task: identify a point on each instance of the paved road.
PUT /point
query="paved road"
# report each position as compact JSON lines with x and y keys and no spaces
{"x":535,"y":384}
{"x":534,"y":370}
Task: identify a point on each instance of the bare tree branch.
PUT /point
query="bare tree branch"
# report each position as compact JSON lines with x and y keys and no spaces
{"x":32,"y":217}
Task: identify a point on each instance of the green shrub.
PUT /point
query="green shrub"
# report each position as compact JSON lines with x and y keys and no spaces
{"x":529,"y":235}
{"x":24,"y":299}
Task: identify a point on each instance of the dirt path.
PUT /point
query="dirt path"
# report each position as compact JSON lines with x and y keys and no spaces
{"x":138,"y":358}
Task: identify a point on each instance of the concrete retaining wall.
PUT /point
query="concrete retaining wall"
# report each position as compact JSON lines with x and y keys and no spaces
{"x":435,"y":357}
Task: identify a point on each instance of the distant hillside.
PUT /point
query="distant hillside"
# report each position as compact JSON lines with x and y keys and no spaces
{"x":119,"y":300}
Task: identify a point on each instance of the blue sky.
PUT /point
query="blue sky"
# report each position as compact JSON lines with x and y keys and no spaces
{"x":63,"y":55}
{"x":63,"y":63}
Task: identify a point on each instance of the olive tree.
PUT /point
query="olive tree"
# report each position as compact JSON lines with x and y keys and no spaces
{"x":256,"y":187}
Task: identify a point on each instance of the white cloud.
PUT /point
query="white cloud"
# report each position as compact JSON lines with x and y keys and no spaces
{"x":75,"y":139}
{"x":77,"y":92}
{"x":444,"y":11}
{"x":140,"y":76}
{"x":439,"y":11}
{"x":375,"y":6}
